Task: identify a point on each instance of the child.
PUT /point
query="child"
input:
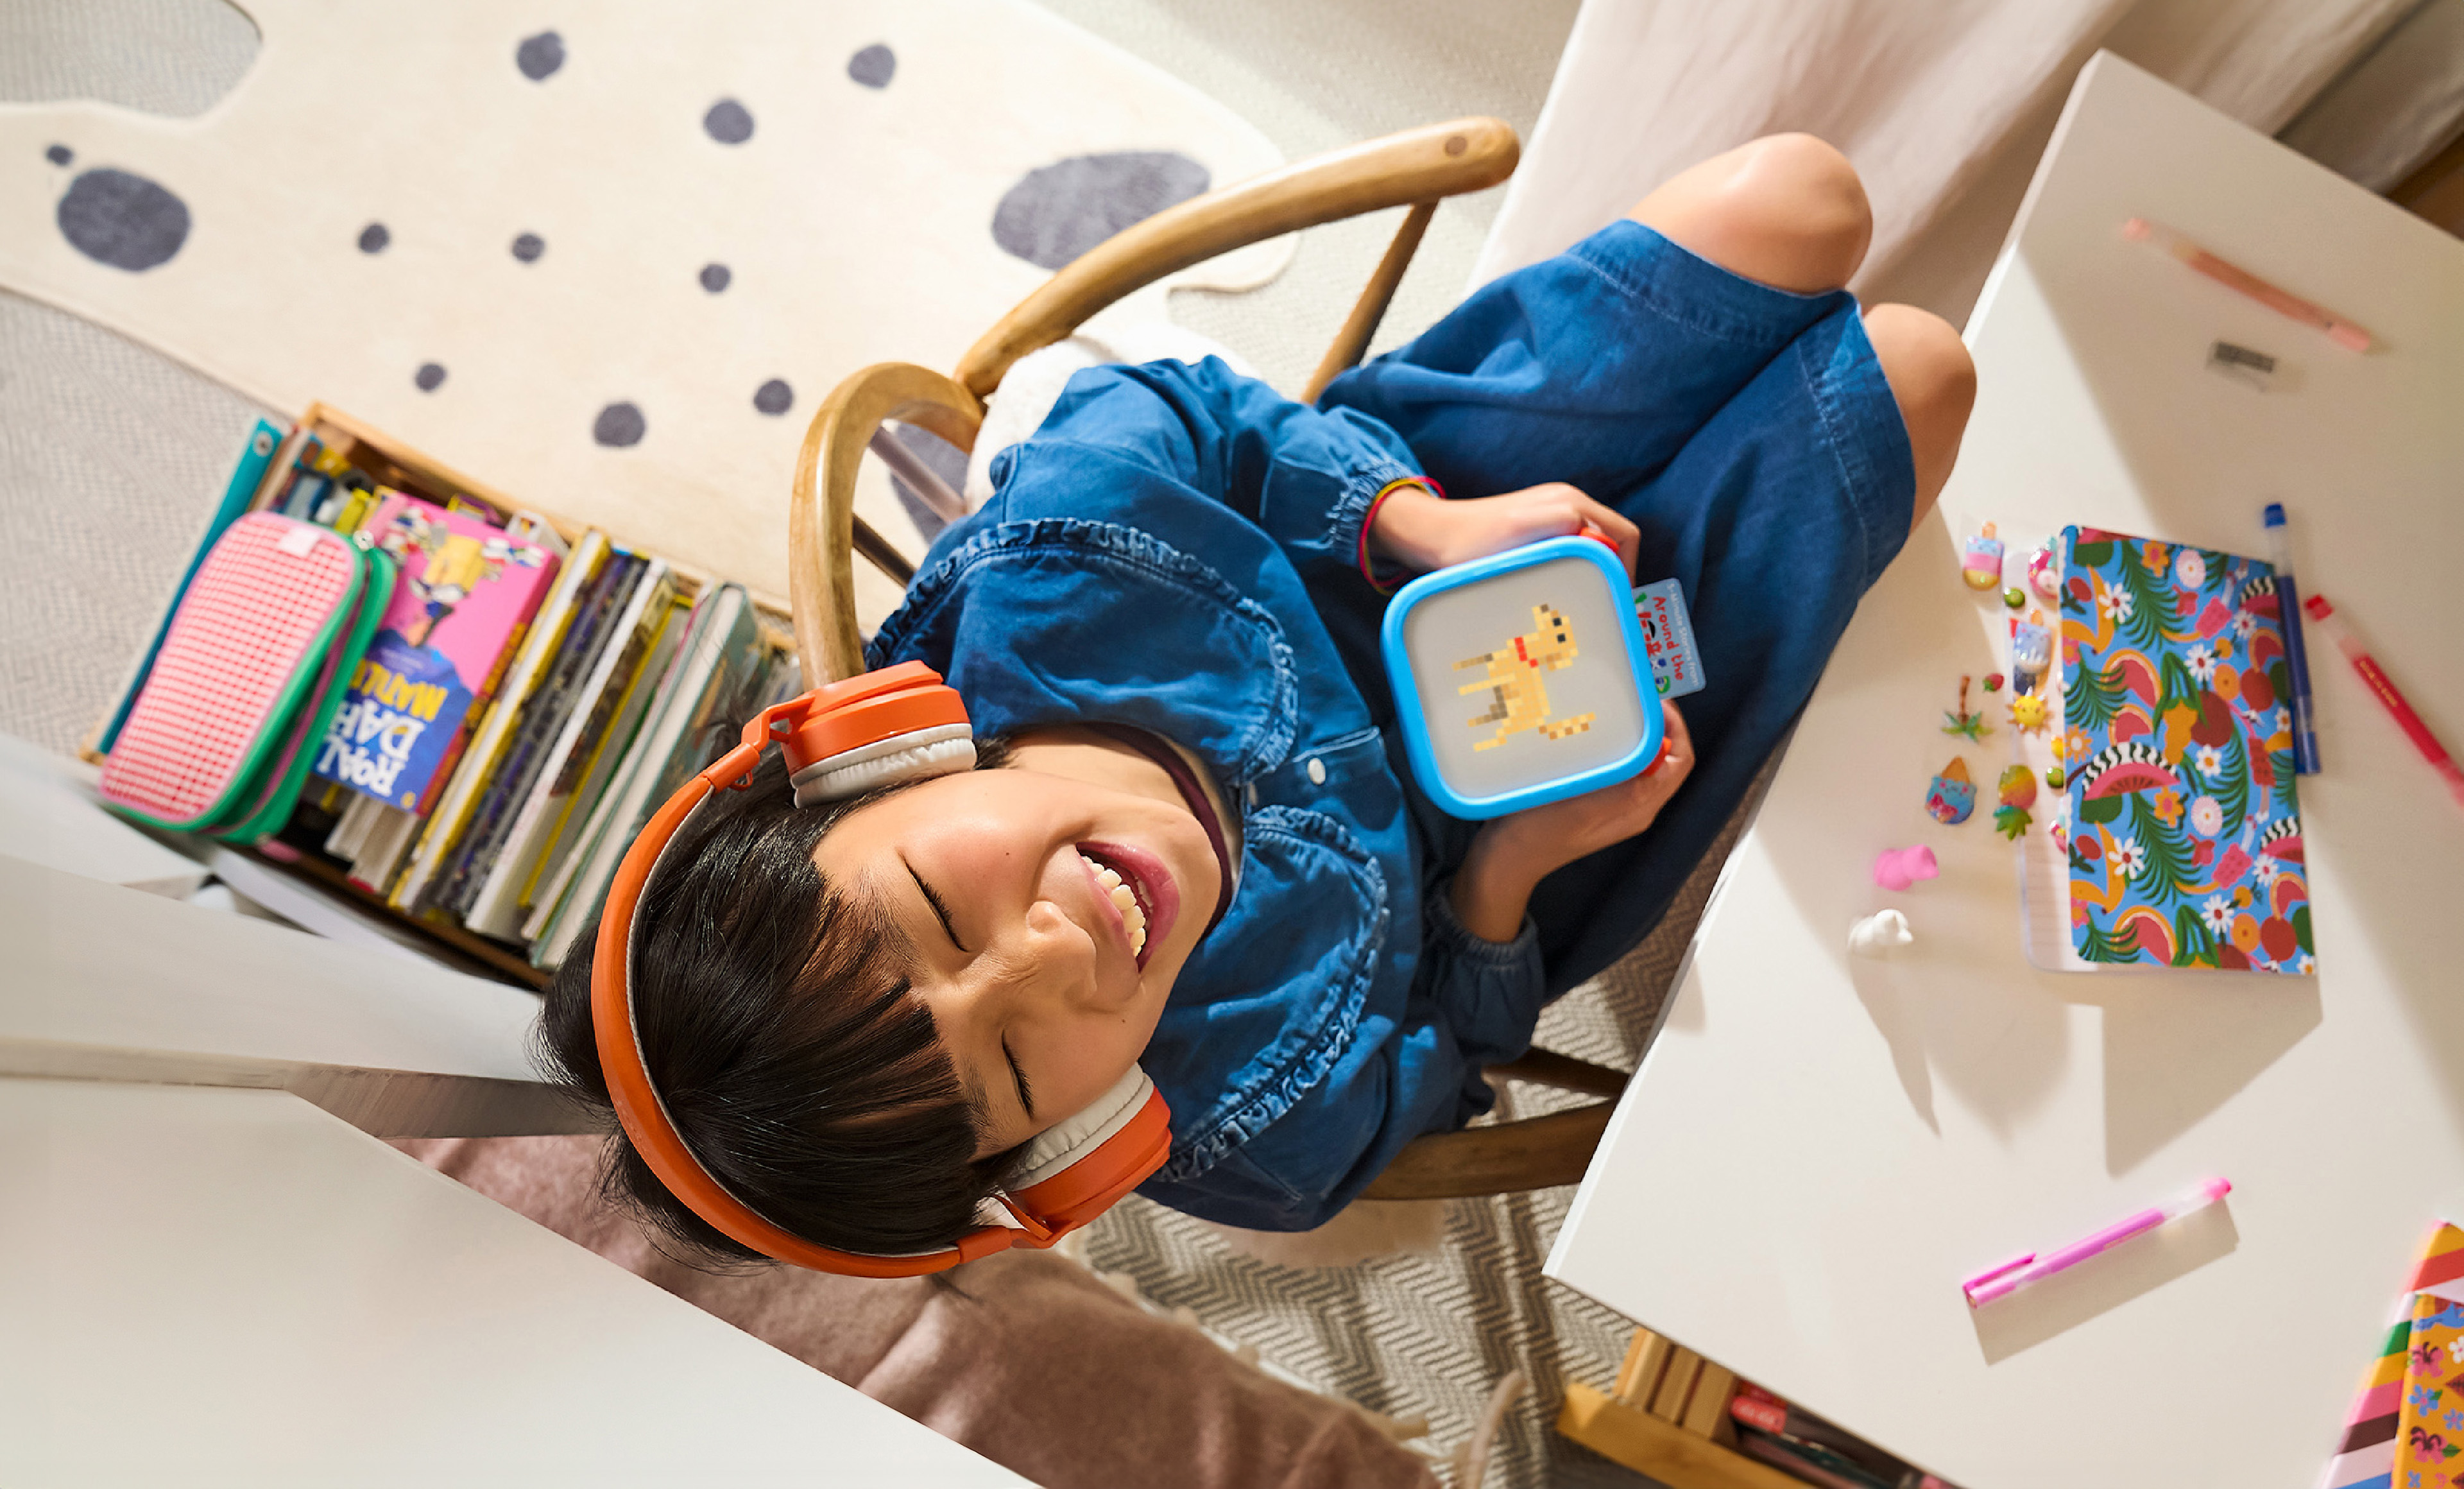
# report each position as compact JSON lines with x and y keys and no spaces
{"x":1191,"y":842}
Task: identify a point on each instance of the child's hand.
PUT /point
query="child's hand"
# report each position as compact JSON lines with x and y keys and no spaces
{"x":1513,"y":853}
{"x":1420,"y":530}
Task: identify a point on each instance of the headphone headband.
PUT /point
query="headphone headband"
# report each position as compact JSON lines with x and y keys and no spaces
{"x":882,"y":720}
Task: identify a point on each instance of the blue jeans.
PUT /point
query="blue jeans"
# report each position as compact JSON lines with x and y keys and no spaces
{"x":1751,"y":436}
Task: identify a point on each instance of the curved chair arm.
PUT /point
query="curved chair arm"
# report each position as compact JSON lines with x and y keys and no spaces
{"x":1413,"y":166}
{"x":824,"y":533}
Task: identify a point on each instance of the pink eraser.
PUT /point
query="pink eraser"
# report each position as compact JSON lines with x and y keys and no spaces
{"x":1897,"y":868}
{"x":2345,"y":334}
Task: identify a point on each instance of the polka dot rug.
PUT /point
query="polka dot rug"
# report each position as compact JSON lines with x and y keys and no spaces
{"x":608,"y":256}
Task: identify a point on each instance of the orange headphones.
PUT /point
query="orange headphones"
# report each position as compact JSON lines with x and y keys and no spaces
{"x":900,"y":723}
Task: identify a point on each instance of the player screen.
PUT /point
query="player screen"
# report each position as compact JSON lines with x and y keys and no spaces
{"x":1524,"y":677}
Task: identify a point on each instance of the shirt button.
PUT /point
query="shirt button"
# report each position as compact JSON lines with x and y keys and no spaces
{"x":1317,"y":772}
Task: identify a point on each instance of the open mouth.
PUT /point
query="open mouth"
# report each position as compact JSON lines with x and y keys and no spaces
{"x":1138,"y":889}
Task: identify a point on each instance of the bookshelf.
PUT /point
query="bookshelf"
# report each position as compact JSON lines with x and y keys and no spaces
{"x":296,"y":854}
{"x":1673,"y":1414}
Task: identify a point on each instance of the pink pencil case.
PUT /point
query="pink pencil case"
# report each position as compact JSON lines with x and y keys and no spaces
{"x":253,"y":667}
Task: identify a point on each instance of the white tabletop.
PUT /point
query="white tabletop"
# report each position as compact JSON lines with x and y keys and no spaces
{"x":1819,"y":1147}
{"x":203,"y":1286}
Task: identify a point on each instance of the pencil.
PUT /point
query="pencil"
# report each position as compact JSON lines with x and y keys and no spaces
{"x":2340,"y":331}
{"x":2384,"y":689}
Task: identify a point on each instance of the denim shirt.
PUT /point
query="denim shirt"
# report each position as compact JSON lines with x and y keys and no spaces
{"x":1149,"y":558}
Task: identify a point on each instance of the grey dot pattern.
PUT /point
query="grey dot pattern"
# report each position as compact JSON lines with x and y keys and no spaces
{"x":1057,"y":212}
{"x":715,"y":277}
{"x":619,"y":426}
{"x":59,"y":155}
{"x":539,"y":55}
{"x":429,"y":377}
{"x":123,"y":221}
{"x":728,"y":122}
{"x":374,"y":237}
{"x":874,"y":66}
{"x":773,"y":397}
{"x":528,"y":247}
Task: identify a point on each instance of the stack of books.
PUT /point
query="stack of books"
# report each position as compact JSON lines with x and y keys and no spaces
{"x":531,"y":697}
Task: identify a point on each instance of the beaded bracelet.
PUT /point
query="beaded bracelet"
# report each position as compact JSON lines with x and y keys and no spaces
{"x":1369,"y":519}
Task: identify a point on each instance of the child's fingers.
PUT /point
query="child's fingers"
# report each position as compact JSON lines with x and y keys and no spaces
{"x":1627,"y":537}
{"x":1676,"y":747}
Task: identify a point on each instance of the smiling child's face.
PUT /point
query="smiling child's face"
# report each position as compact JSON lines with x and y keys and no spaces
{"x":1047,"y":915}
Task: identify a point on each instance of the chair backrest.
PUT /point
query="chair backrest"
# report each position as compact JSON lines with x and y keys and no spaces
{"x":1416,"y":167}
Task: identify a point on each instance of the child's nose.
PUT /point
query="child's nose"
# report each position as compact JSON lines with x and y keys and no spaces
{"x":1065,"y":956}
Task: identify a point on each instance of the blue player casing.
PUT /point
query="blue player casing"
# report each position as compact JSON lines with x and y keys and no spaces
{"x":1521,"y":679}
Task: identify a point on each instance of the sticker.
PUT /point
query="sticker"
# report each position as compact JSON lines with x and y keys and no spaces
{"x":1953,"y":795}
{"x":1668,"y":639}
{"x":2032,"y":651}
{"x":2017,"y":790}
{"x":1981,"y":562}
{"x":299,"y":542}
{"x":2041,"y":577}
{"x":1966,"y":725}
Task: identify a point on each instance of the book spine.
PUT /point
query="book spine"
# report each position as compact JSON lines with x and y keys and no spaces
{"x":493,"y":903}
{"x":541,"y":714}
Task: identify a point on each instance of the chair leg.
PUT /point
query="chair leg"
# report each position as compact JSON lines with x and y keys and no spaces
{"x":1360,"y":327}
{"x":1564,"y":1072}
{"x":1536,"y":1153}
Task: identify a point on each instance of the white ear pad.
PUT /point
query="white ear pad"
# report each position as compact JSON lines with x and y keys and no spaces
{"x":945,"y":750}
{"x":1067,"y":1141}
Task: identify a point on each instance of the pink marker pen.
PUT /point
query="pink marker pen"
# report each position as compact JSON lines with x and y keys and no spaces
{"x":2018,"y":1272}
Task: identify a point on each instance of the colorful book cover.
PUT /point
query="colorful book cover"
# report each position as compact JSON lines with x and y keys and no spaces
{"x":2184,"y":833}
{"x":532,"y":662}
{"x":2407,"y":1425}
{"x":466,"y":593}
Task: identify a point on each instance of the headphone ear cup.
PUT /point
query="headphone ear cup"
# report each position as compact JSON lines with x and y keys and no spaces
{"x":838,"y":778}
{"x":1078,"y":1168}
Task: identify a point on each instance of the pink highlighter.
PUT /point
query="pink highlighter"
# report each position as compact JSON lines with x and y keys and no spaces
{"x":2018,"y":1272}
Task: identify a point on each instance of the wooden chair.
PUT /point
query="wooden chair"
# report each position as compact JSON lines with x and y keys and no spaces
{"x":1416,"y":168}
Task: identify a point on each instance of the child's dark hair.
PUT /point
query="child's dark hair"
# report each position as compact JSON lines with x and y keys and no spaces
{"x":776,"y":1021}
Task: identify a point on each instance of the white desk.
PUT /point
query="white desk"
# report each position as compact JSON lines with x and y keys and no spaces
{"x":1818,"y":1147}
{"x":205,"y":1286}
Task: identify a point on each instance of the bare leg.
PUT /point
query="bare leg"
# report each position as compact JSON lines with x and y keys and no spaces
{"x":1786,"y":210}
{"x":1934,"y":383}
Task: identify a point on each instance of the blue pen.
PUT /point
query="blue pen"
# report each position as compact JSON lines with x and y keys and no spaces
{"x":2297,"y":658}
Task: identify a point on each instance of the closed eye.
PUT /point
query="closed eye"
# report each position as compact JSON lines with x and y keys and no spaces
{"x":940,"y":911}
{"x":1026,"y":1097}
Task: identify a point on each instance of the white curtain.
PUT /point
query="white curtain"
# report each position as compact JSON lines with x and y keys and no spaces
{"x":1945,"y":105}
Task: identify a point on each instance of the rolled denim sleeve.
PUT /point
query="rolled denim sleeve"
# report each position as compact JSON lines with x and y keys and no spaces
{"x":1303,"y":475}
{"x":1490,"y":992}
{"x":1473,"y":1004}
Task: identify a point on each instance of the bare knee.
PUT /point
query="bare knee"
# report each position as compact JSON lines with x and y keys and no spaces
{"x":1934,"y":383}
{"x":1786,"y":210}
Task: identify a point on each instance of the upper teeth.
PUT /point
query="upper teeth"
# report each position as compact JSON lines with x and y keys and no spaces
{"x":1125,"y":899}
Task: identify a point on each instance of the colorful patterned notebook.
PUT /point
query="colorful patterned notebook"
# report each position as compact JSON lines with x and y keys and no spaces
{"x":2407,"y":1425}
{"x":2180,"y":831}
